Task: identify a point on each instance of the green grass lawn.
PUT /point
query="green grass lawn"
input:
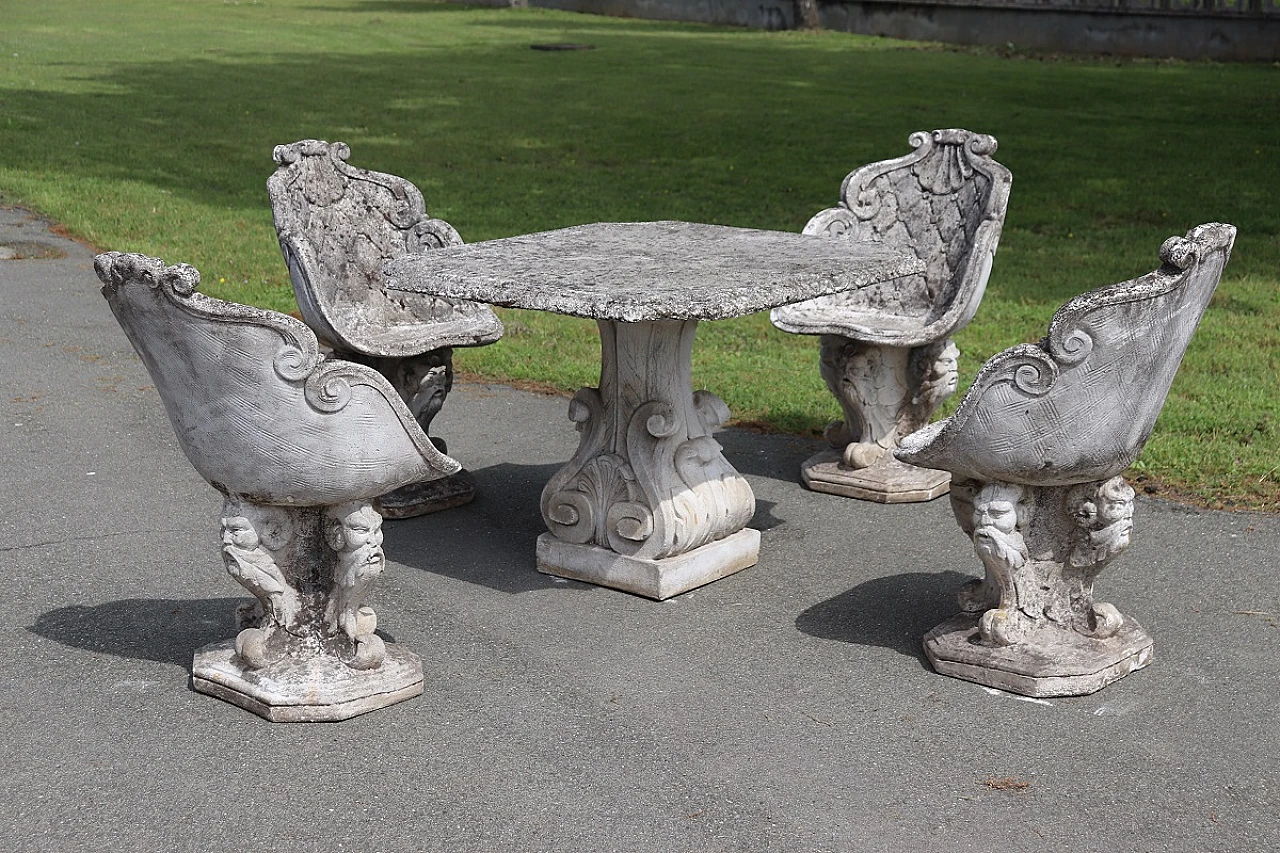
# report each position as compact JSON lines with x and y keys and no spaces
{"x":147,"y":125}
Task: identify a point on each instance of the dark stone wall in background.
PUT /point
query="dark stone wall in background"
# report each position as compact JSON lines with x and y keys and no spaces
{"x":1185,"y":29}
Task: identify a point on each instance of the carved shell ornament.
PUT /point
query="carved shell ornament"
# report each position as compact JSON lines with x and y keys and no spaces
{"x":1080,"y":405}
{"x":943,"y":161}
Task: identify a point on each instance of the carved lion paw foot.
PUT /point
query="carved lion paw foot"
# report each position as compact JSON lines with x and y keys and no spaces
{"x":1106,"y":621}
{"x":370,"y":652}
{"x":1002,"y":626}
{"x":862,"y":454}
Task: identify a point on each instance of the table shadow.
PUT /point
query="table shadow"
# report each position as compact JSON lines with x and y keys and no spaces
{"x":893,"y":612}
{"x":764,"y":519}
{"x":157,"y":629}
{"x":492,"y":541}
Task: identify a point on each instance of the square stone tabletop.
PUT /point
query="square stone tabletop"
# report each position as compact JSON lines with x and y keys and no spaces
{"x":637,"y":271}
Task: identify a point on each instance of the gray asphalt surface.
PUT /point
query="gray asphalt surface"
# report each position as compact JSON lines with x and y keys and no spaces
{"x":786,"y":708}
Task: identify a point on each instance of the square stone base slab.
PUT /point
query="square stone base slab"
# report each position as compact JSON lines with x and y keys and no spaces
{"x":322,"y":689}
{"x":1052,"y":662}
{"x":657,"y":579}
{"x":418,"y":499}
{"x":888,"y":481}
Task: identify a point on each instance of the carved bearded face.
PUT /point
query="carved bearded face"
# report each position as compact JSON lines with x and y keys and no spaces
{"x":946,"y":370}
{"x":237,"y":532}
{"x":358,"y":529}
{"x":995,"y":509}
{"x":1107,"y":515}
{"x":995,"y":522}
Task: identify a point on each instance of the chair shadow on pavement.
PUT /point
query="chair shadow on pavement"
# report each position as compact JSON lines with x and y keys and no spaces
{"x":164,"y":630}
{"x":893,"y":612}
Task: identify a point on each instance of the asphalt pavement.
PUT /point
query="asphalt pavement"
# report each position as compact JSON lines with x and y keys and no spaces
{"x":788,"y":707}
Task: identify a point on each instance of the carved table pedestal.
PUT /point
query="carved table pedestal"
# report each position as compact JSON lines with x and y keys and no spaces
{"x":648,"y":504}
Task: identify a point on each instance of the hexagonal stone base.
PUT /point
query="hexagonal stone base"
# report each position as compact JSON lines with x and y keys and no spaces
{"x":319,"y":689}
{"x":888,"y":481}
{"x":1052,"y":662}
{"x":658,"y":579}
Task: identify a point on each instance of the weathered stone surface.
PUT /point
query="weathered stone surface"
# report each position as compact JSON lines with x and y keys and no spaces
{"x":298,"y":445}
{"x":311,"y":690}
{"x":888,"y":481}
{"x":1036,"y":447}
{"x":336,"y":225}
{"x":1080,"y":405}
{"x":656,"y":579}
{"x":886,"y":353}
{"x":648,"y":503}
{"x":1042,"y":665}
{"x":634,"y":271}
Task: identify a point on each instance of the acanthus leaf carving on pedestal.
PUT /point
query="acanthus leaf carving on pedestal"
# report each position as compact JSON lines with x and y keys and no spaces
{"x":647,"y":480}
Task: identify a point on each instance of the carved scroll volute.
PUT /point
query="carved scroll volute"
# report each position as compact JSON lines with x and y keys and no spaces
{"x":647,"y":479}
{"x":570,"y":513}
{"x":832,"y":222}
{"x":729,"y":501}
{"x":428,"y":234}
{"x":697,"y":497}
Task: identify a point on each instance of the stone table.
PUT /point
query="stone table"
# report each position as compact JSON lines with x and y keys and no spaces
{"x":648,"y":504}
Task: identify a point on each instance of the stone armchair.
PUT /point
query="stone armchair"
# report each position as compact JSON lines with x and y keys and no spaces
{"x":298,"y":445}
{"x":336,"y":225}
{"x":1036,"y":449}
{"x":886,"y":351}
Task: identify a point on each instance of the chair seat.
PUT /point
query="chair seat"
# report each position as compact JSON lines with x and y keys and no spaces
{"x":868,"y":324}
{"x":372,"y":334}
{"x":337,"y":224}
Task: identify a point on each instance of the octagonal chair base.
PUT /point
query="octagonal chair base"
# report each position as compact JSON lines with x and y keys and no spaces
{"x":888,"y":481}
{"x":318,"y":689}
{"x":1051,"y":662}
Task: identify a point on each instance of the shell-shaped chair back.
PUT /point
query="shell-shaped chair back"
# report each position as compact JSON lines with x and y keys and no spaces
{"x":258,"y":411}
{"x":336,"y":225}
{"x":1080,"y":405}
{"x":945,"y":203}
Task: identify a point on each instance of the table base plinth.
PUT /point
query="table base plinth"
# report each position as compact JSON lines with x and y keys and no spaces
{"x":320,"y":689}
{"x":888,"y":481}
{"x":1055,"y":663}
{"x":657,"y":579}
